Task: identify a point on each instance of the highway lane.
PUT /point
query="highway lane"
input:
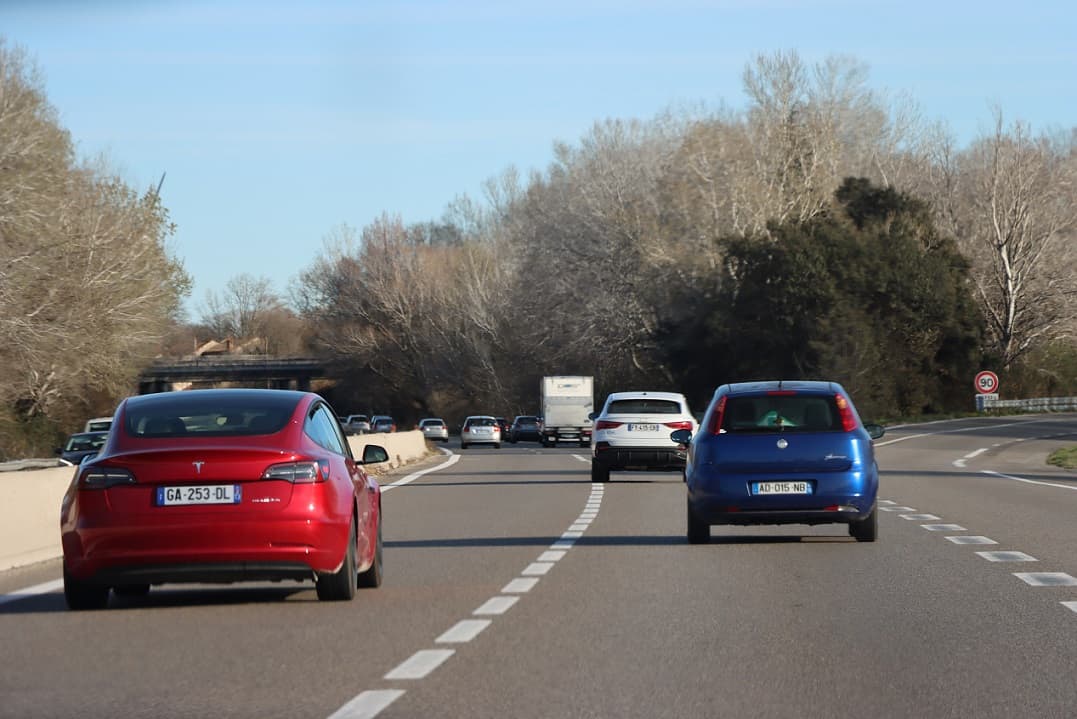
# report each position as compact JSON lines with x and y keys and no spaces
{"x":625,"y":619}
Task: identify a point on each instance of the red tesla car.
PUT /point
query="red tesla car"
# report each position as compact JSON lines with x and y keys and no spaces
{"x":224,"y":485}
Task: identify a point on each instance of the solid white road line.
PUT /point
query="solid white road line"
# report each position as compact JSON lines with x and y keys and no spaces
{"x":977,"y":428}
{"x":453,"y":459}
{"x":420,"y":664}
{"x":1028,"y":481}
{"x":1072,"y":606}
{"x":32,"y":591}
{"x":463,"y":631}
{"x":368,"y":704}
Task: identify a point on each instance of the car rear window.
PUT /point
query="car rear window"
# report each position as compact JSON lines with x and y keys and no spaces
{"x":431,"y":423}
{"x":191,"y":416}
{"x":644,"y":405}
{"x":781,"y":413}
{"x":482,"y":422}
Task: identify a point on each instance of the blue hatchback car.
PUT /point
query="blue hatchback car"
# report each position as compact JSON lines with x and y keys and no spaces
{"x":781,"y":452}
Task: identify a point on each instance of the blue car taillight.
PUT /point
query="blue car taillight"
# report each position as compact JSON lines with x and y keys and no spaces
{"x":298,"y":472}
{"x":104,"y":477}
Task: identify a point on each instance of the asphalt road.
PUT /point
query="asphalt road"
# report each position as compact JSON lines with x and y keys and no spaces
{"x":515,"y":588}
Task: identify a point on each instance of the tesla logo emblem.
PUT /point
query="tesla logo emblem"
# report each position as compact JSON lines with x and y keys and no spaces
{"x":198,"y":467}
{"x":782,"y":444}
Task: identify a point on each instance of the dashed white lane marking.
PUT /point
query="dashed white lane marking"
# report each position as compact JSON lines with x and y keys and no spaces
{"x":1046,"y":579}
{"x":944,"y":527}
{"x":885,"y":501}
{"x":32,"y":591}
{"x":977,"y":428}
{"x":453,"y":459}
{"x":563,"y":544}
{"x":420,"y":664}
{"x":463,"y":631}
{"x":582,"y":459}
{"x":552,"y":556}
{"x":572,"y":534}
{"x":897,"y":509}
{"x":921,"y":517}
{"x":520,"y":585}
{"x":1007,"y":557}
{"x":967,"y":457}
{"x":537,"y":569}
{"x":496,"y":605}
{"x":579,"y":526}
{"x":368,"y":704}
{"x":966,"y":539}
{"x":1028,"y":481}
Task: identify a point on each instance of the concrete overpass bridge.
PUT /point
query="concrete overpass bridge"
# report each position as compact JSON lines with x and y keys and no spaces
{"x":232,"y":371}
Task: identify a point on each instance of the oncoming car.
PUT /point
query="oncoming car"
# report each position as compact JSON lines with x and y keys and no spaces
{"x":224,"y":486}
{"x":781,"y":453}
{"x":480,"y":429}
{"x":632,"y":433}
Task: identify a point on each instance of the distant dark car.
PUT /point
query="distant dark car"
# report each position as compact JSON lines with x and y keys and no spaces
{"x":525,"y":428}
{"x":226,"y":485}
{"x":781,"y":453}
{"x":81,"y":445}
{"x":504,"y":425}
{"x":382,"y":423}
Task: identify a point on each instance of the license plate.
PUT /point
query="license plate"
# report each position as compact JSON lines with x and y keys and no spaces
{"x":199,"y":494}
{"x":643,"y":428}
{"x":781,"y":488}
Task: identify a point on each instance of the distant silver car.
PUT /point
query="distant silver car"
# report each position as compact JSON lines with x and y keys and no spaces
{"x":480,"y":429}
{"x":435,"y":429}
{"x":356,"y":424}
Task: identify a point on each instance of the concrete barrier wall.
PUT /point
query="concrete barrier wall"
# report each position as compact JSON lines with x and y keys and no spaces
{"x":30,"y":500}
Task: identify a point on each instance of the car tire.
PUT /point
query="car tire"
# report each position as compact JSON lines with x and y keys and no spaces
{"x":699,"y":532}
{"x":867,"y":529}
{"x":81,"y":595}
{"x":372,"y":576}
{"x":341,"y":584}
{"x":132,"y":590}
{"x":497,"y":445}
{"x":599,"y":472}
{"x":463,"y":445}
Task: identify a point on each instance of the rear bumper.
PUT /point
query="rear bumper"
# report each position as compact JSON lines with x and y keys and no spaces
{"x":742,"y":508}
{"x":656,"y":458}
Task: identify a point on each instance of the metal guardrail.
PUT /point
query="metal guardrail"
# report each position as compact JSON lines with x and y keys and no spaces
{"x":1037,"y":404}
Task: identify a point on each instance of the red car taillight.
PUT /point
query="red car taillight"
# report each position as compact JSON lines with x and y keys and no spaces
{"x":104,"y":477}
{"x":298,"y":472}
{"x":683,"y":424}
{"x":716,"y":417}
{"x":606,"y":424}
{"x":845,"y":411}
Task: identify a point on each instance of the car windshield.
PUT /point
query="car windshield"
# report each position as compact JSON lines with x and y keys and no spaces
{"x":781,"y":413}
{"x":644,"y":406}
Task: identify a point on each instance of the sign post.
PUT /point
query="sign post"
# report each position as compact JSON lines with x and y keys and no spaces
{"x":986,"y":384}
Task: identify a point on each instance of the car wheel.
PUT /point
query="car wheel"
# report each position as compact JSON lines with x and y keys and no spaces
{"x":599,"y":472}
{"x":372,"y":576}
{"x":132,"y":590}
{"x":867,"y":529}
{"x":699,"y":532}
{"x":497,"y":445}
{"x":341,"y":584}
{"x":463,"y":445}
{"x":84,"y":595}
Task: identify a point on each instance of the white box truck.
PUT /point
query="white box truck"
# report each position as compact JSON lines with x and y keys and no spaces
{"x":566,"y":404}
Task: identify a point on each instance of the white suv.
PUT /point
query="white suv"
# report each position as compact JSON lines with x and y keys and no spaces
{"x":632,"y":432}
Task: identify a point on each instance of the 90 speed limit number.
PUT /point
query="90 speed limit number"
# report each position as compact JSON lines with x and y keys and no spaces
{"x":199,"y":494}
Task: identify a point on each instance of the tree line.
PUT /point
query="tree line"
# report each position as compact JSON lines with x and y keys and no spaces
{"x":826,"y":230}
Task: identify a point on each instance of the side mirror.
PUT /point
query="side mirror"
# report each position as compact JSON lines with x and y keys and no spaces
{"x":591,"y":416}
{"x":372,"y":454}
{"x":875,"y":430}
{"x":681,"y":436}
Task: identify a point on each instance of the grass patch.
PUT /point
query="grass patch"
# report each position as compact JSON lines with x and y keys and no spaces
{"x":1065,"y":458}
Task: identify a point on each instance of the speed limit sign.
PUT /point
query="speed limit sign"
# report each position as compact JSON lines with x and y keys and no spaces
{"x":986,"y":382}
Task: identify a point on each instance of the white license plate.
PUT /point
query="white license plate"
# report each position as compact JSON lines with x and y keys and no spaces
{"x":199,"y":494}
{"x":781,"y":488}
{"x":643,"y":428}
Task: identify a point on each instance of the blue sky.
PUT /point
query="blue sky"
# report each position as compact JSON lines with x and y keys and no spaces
{"x":278,"y":121}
